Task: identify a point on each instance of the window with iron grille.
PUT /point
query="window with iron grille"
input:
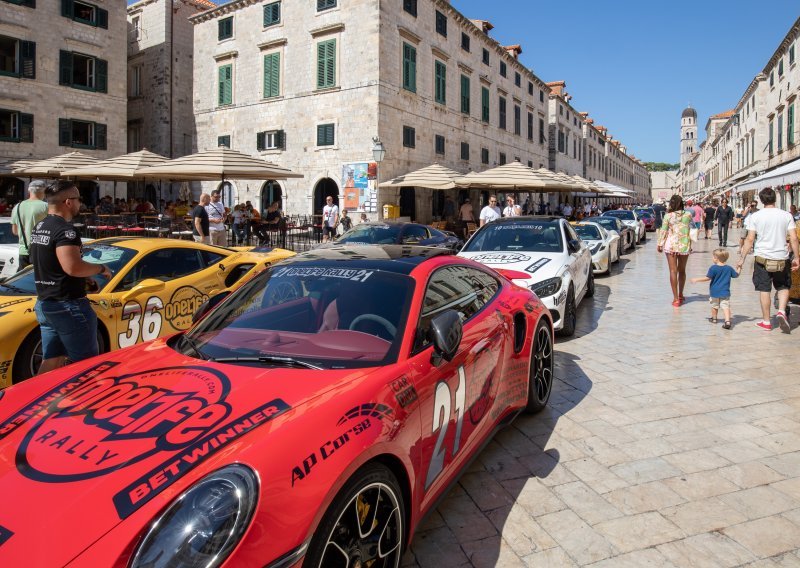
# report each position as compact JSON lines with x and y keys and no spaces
{"x":409,"y":137}
{"x":441,"y":24}
{"x":325,"y":135}
{"x":465,"y":86}
{"x":272,"y":14}
{"x":410,"y":6}
{"x":502,"y":113}
{"x":464,"y":151}
{"x":464,"y":41}
{"x":15,"y":126}
{"x":484,"y":155}
{"x":439,"y":144}
{"x":225,"y":28}
{"x":325,"y":5}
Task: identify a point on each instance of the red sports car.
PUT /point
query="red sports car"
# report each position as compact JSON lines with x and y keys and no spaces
{"x":312,"y":418}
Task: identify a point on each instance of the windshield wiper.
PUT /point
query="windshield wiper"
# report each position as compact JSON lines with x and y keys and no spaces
{"x":269,"y":360}
{"x":194,"y":347}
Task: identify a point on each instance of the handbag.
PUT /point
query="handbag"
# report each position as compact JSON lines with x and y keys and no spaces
{"x":693,"y":234}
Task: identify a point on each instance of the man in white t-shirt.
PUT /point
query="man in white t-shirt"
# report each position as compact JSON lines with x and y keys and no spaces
{"x":330,"y":218}
{"x":767,"y":231}
{"x":491,"y":212}
{"x":511,"y":210}
{"x":216,"y":220}
{"x":567,"y":210}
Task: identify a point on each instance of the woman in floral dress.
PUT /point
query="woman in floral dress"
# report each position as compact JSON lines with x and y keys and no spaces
{"x":675,"y":242}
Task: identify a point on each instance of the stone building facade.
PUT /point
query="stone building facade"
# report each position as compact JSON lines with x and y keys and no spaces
{"x":62,"y":81}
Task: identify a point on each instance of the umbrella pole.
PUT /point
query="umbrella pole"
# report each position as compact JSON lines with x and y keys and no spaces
{"x":115,"y":191}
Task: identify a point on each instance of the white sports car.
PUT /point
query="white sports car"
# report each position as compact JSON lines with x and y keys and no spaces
{"x":630,"y":219}
{"x":9,"y":249}
{"x":541,"y":253}
{"x":603,"y":244}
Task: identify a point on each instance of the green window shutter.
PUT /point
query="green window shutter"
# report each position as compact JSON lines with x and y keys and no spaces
{"x":224,"y":141}
{"x":261,"y":141}
{"x":101,"y":75}
{"x":101,"y":18}
{"x":440,"y":90}
{"x":67,"y":8}
{"x":409,"y":68}
{"x":790,"y":125}
{"x":25,"y":127}
{"x":325,"y":135}
{"x":280,"y":139}
{"x":27,"y":60}
{"x":100,"y":136}
{"x":64,"y":132}
{"x":272,"y":69}
{"x":326,"y":64}
{"x":484,"y":104}
{"x":225,"y":85}
{"x":65,"y":67}
{"x":464,"y":94}
{"x":272,"y":14}
{"x":225,"y":28}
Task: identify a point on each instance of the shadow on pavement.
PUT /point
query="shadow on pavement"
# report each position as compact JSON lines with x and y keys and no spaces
{"x":589,"y":312}
{"x":505,"y":488}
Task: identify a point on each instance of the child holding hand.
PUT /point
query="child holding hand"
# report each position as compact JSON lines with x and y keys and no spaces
{"x":720,"y":274}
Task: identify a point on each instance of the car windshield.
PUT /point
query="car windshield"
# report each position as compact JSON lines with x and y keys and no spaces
{"x":371,"y":234}
{"x":6,"y":236}
{"x":588,"y":232}
{"x":621,"y":214}
{"x":322,"y":314}
{"x":528,"y":235}
{"x":114,"y":257}
{"x":608,"y":223}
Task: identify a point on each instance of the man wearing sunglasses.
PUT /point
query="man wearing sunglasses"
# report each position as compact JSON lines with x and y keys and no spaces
{"x":66,"y":320}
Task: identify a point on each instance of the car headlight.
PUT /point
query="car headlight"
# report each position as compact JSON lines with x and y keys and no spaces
{"x":546,"y":287}
{"x":204,"y":524}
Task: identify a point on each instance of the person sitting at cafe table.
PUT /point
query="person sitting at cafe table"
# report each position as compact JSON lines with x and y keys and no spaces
{"x":105,"y":206}
{"x":271,"y":221}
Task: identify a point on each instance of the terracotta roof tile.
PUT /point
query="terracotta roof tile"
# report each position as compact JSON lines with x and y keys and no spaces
{"x":726,"y":114}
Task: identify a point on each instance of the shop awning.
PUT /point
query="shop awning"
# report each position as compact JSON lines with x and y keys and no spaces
{"x":786,"y":174}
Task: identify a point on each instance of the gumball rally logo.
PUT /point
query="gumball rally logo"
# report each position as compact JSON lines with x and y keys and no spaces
{"x":113,"y":422}
{"x":182,"y":306}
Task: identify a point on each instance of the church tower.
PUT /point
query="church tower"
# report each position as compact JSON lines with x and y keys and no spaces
{"x":688,"y":134}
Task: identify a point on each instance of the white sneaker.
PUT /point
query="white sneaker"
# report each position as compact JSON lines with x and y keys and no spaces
{"x":783,"y":322}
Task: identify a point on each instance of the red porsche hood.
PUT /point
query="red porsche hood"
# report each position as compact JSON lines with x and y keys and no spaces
{"x":84,"y":448}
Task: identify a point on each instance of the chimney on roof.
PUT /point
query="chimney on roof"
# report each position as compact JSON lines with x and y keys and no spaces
{"x":484,"y":25}
{"x":513,"y":50}
{"x":557,"y":88}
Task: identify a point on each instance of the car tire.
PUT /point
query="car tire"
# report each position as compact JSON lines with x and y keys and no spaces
{"x":339,"y":534}
{"x":570,"y":316}
{"x":540,"y":377}
{"x":590,"y":284}
{"x":29,"y":355}
{"x":619,"y":250}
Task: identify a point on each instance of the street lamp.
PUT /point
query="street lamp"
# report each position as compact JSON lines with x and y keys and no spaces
{"x":378,"y":151}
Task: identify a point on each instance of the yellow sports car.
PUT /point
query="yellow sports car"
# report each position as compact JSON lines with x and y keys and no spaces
{"x":157,"y":285}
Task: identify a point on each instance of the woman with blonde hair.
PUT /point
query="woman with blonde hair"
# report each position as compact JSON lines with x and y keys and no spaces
{"x":674,"y":241}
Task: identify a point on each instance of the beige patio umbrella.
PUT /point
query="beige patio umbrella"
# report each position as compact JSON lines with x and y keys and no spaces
{"x":432,"y":177}
{"x":119,"y":168}
{"x":218,"y":164}
{"x":54,"y":166}
{"x":514,"y":176}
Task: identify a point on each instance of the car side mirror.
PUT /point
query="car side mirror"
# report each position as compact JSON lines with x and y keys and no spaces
{"x":574,"y":245}
{"x":209,"y":305}
{"x":146,"y":286}
{"x":446,"y":331}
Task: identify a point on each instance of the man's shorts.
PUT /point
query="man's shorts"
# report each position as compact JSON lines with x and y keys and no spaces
{"x":69,"y":327}
{"x":717,"y":303}
{"x":764,"y":281}
{"x":327,"y":230}
{"x":698,"y":224}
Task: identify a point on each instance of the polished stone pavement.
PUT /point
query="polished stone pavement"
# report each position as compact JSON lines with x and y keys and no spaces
{"x":668,"y":441}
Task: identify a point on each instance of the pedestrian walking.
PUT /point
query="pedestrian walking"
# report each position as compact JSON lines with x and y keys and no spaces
{"x":25,"y":216}
{"x":491,"y":212}
{"x":720,"y":274}
{"x":330,"y":219}
{"x":200,"y":222}
{"x":674,"y":241}
{"x":216,"y":220}
{"x":723,"y":215}
{"x":67,"y":321}
{"x":511,"y":210}
{"x":767,"y":231}
{"x":708,"y":219}
{"x":345,"y":221}
{"x":751,"y":208}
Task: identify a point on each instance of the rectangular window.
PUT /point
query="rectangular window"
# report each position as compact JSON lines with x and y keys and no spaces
{"x":272,"y":75}
{"x":225,"y":85}
{"x":541,"y":96}
{"x":464,"y":41}
{"x":134,"y":136}
{"x":464,"y":151}
{"x":84,"y":13}
{"x":517,"y":120}
{"x":441,"y":24}
{"x":791,"y":54}
{"x":15,"y":126}
{"x":409,"y":68}
{"x":83,"y":71}
{"x":224,"y":141}
{"x":530,"y":126}
{"x":561,"y":141}
{"x":271,"y":140}
{"x":135,"y":85}
{"x":772,"y":78}
{"x":484,"y":104}
{"x":439,"y":144}
{"x":790,"y":125}
{"x":136,"y":27}
{"x":410,"y":6}
{"x":503,"y":69}
{"x":272,"y":14}
{"x":780,"y":132}
{"x":325,"y":5}
{"x":225,"y":28}
{"x":440,"y":83}
{"x":484,"y":155}
{"x":326,"y":64}
{"x":81,"y":134}
{"x":485,"y":56}
{"x":17,"y":58}
{"x":780,"y":68}
{"x":465,"y":94}
{"x":325,"y":135}
{"x":26,"y":3}
{"x":771,"y":136}
{"x":502,"y":113}
{"x":517,"y":79}
{"x":530,"y":88}
{"x":502,"y":158}
{"x":409,"y":137}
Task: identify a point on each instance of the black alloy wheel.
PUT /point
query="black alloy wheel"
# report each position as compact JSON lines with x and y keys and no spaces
{"x":540,"y":382}
{"x":590,"y":282}
{"x":29,"y":356}
{"x":570,"y":317}
{"x":364,"y":526}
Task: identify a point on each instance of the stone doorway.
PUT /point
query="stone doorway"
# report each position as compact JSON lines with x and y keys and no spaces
{"x":324,"y":188}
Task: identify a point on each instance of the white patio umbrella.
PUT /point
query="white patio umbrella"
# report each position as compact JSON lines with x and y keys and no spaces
{"x":119,"y":168}
{"x":218,"y":164}
{"x":52,"y":167}
{"x":432,"y":177}
{"x":514,"y":176}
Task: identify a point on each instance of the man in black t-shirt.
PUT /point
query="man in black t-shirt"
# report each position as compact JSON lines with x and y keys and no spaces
{"x":200,"y":224}
{"x":708,"y":219}
{"x":66,"y":320}
{"x":723,"y":216}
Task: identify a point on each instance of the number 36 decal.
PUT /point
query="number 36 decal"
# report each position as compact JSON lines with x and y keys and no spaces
{"x":441,"y":419}
{"x":149,"y":326}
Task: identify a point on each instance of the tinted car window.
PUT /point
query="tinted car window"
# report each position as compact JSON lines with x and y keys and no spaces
{"x":210,"y":258}
{"x":6,"y":236}
{"x":608,"y":223}
{"x":588,"y":232}
{"x":460,"y":288}
{"x":528,"y":235}
{"x":164,"y":264}
{"x":372,"y":234}
{"x":621,"y":214}
{"x":414,"y":233}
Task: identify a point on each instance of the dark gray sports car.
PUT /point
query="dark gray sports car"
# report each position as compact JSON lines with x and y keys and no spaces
{"x":399,"y":233}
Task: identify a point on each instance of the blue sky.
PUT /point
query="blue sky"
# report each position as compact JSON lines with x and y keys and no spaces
{"x":634,"y":65}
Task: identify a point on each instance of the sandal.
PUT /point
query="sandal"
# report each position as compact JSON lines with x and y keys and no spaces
{"x":676,"y":303}
{"x":713,"y":320}
{"x":726,"y":325}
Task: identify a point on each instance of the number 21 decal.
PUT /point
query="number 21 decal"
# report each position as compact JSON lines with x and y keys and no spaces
{"x":441,"y":420}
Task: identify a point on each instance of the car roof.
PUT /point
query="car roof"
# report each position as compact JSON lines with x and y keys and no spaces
{"x":143,"y":243}
{"x":401,"y":259}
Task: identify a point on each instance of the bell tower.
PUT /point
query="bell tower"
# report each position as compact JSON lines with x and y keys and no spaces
{"x":688,"y":134}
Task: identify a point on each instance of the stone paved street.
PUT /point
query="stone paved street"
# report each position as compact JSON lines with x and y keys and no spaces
{"x":668,"y":442}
